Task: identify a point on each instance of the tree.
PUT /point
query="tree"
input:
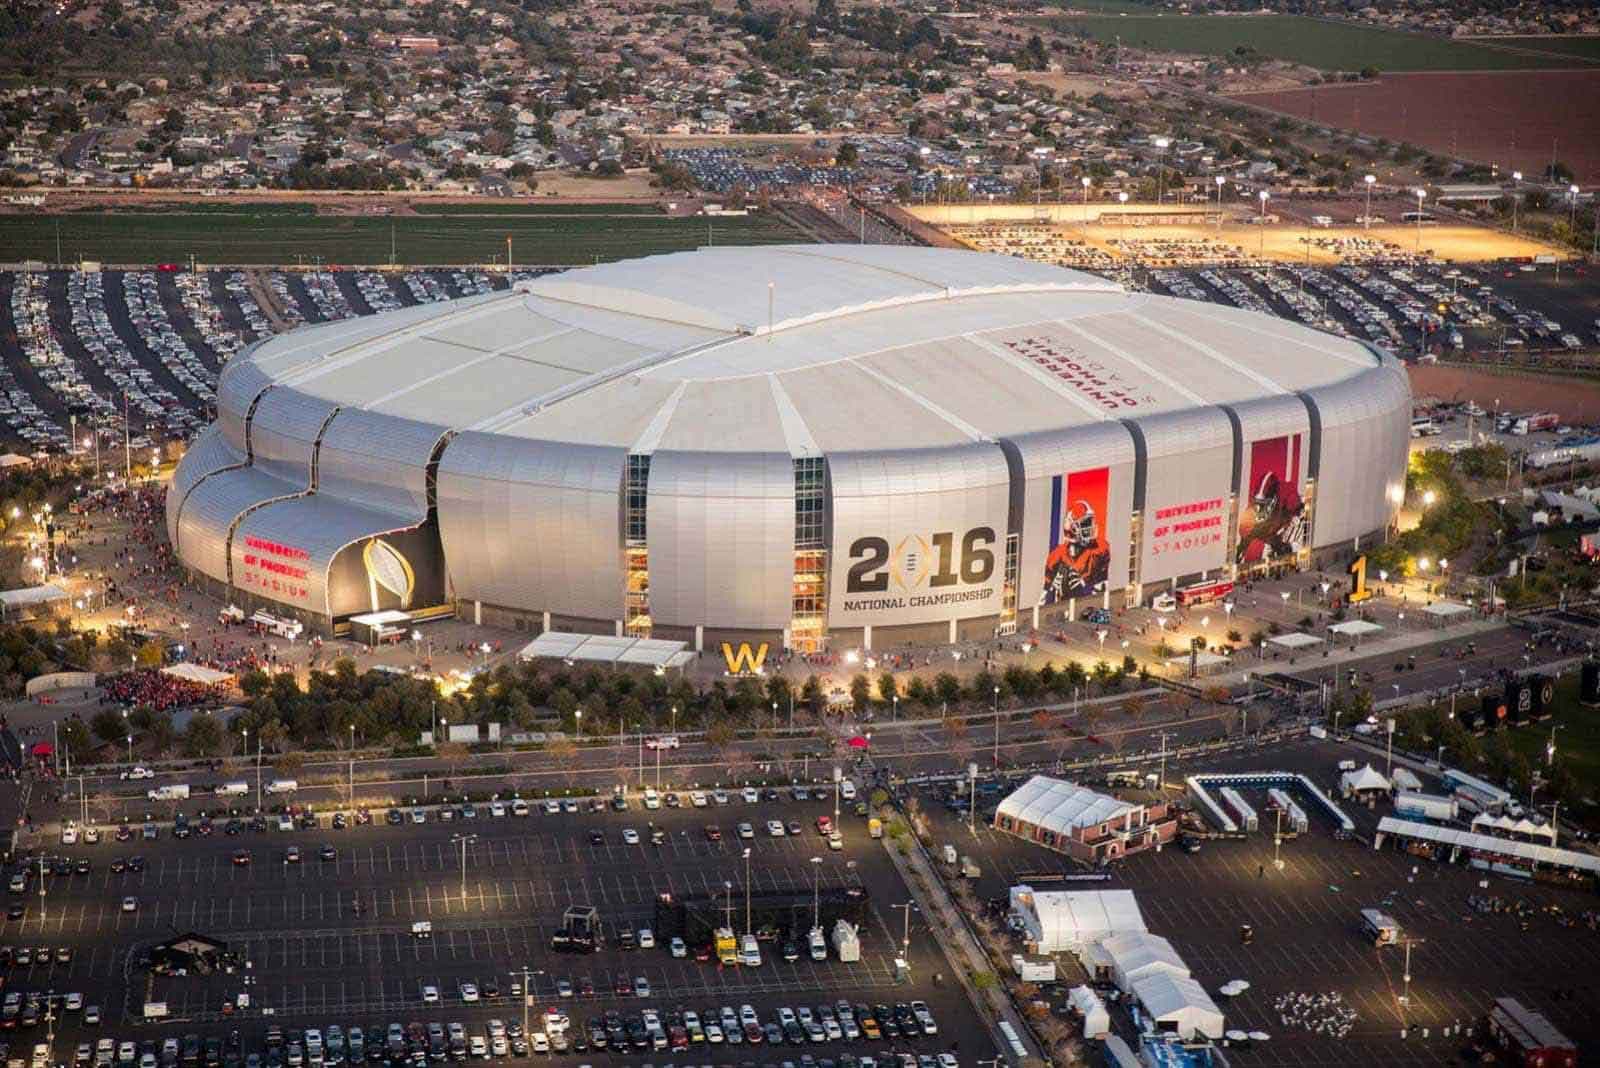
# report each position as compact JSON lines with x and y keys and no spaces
{"x":947,"y":687}
{"x":848,"y":155}
{"x":203,"y":736}
{"x":888,"y":690}
{"x":861,"y":693}
{"x":108,"y":726}
{"x":151,"y":655}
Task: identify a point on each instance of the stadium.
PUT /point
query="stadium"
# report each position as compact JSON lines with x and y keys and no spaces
{"x":814,"y":446}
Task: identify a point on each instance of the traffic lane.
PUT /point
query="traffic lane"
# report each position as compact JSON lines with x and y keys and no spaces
{"x":1435,"y":668}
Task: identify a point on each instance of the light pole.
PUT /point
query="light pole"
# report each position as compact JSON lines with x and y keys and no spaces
{"x":640,"y":727}
{"x":905,"y":930}
{"x":816,"y":892}
{"x":1086,"y":183}
{"x":1221,"y":181}
{"x":464,"y":839}
{"x":1516,"y":176}
{"x":1263,"y":196}
{"x":747,"y":891}
{"x":997,"y":728}
{"x":1370,"y":180}
{"x":1161,"y":169}
{"x":352,"y":765}
{"x":1388,"y":755}
{"x":130,"y":747}
{"x":1122,"y":198}
{"x":1277,"y":840}
{"x":1422,"y":195}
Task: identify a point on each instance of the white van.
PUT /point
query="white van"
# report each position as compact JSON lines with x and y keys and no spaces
{"x":174,"y":792}
{"x":282,"y":786}
{"x":232,"y":789}
{"x":847,"y":790}
{"x":69,"y":833}
{"x":652,"y":800}
{"x":750,"y":951}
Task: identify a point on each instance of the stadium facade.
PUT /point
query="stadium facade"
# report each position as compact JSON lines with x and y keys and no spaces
{"x":840,"y":446}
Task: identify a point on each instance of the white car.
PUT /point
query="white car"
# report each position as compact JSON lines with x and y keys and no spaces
{"x":678,"y":948}
{"x":647,"y":938}
{"x":1164,"y":602}
{"x":497,"y":808}
{"x":630,"y":836}
{"x":540,"y":1042}
{"x":698,"y":799}
{"x":775,"y":828}
{"x":519,"y":808}
{"x":130,"y":904}
{"x":749,"y":794}
{"x":665,"y":741}
{"x":74,"y":1002}
{"x":138,"y":773}
{"x":746,"y":831}
{"x":469,"y":992}
{"x":430,"y":994}
{"x":552,"y":807}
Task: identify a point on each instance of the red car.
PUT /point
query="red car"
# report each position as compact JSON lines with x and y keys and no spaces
{"x":713,"y":833}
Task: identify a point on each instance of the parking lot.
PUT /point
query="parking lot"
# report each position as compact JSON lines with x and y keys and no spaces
{"x":1306,"y":928}
{"x":309,"y":958}
{"x":83,"y":348}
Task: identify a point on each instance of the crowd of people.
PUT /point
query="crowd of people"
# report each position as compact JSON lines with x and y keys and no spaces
{"x":156,"y":689}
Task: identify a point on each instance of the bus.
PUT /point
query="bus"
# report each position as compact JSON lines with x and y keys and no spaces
{"x":1424,"y":428}
{"x":1204,"y":592}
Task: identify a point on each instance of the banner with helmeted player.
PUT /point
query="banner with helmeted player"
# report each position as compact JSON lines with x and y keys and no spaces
{"x":1079,"y":560}
{"x":1272,"y":521}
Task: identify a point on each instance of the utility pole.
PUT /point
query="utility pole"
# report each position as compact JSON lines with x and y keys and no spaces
{"x":905,"y":930}
{"x":747,"y":891}
{"x":464,"y":839}
{"x":1161,"y":779}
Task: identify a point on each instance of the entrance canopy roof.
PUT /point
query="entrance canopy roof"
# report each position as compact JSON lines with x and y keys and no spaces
{"x":603,"y":649}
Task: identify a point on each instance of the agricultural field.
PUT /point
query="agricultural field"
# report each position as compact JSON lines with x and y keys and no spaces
{"x":247,"y":235}
{"x":1319,"y":43}
{"x":1584,"y":48}
{"x":1499,"y":118}
{"x":518,"y":207}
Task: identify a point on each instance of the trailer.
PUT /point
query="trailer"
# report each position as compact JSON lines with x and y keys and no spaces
{"x":847,"y":941}
{"x":1380,"y":927}
{"x":1293,"y":815}
{"x":1425,"y":806}
{"x":1244,"y":815}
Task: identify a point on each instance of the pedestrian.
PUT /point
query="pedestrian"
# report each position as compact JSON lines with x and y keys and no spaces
{"x":1261,"y":871}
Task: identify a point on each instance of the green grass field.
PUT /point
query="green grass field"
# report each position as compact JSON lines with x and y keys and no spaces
{"x":275,"y":237}
{"x":1577,"y":739}
{"x":1317,"y":43}
{"x":1587,"y":48}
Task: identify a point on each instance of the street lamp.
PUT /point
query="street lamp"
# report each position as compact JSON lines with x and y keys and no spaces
{"x":1516,"y":176}
{"x":997,"y":727}
{"x":464,"y":840}
{"x":1428,"y":497}
{"x":816,"y":892}
{"x":1086,"y":183}
{"x":1263,"y":196}
{"x":1221,"y":181}
{"x":1122,"y":198}
{"x":1371,"y":180}
{"x":1161,"y":169}
{"x":747,"y":891}
{"x":1421,"y":196}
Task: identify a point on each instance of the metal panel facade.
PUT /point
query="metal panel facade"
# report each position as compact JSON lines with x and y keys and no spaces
{"x":283,"y":551}
{"x":918,"y":535}
{"x":207,"y":454}
{"x":210,"y":510}
{"x":283,"y":434}
{"x":1366,"y":426}
{"x":1189,"y":477}
{"x":721,"y":538}
{"x":1074,"y":481}
{"x":241,"y":382}
{"x":378,"y":461}
{"x":533,"y":524}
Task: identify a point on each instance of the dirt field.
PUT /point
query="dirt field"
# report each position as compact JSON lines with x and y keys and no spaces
{"x":1085,"y":85}
{"x":1514,"y":119}
{"x":1577,"y":400}
{"x":1285,"y":241}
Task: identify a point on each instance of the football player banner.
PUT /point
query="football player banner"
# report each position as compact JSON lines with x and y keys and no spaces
{"x":1079,"y":561}
{"x":1273,"y":522}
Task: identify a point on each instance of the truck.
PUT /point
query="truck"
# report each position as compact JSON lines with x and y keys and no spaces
{"x":178,"y":791}
{"x":155,"y":1010}
{"x":874,"y":827}
{"x":847,"y":941}
{"x":282,"y":786}
{"x":817,"y":944}
{"x":1425,"y":806}
{"x":727,"y":946}
{"x":1034,"y":969}
{"x":233,"y":789}
{"x":1380,"y":927}
{"x":1534,"y":422}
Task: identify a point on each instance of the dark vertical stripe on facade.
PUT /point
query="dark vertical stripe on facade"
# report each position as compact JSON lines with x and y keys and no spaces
{"x":1238,"y":447}
{"x":1314,"y":452}
{"x":1141,"y":462}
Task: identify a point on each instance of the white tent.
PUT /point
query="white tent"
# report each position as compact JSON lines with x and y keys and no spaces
{"x":196,"y":673}
{"x":1403,"y":779}
{"x":1096,"y":1021}
{"x":12,"y":601}
{"x":1361,"y":780}
{"x":1133,"y":956}
{"x":1446,"y":610}
{"x":1355,"y":628}
{"x":1057,"y":806}
{"x":1295,"y":641}
{"x":1178,"y":1004}
{"x":1071,"y":920}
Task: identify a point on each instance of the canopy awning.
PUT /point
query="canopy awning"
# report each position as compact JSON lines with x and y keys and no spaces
{"x":604,"y":649}
{"x":29,"y":595}
{"x":1447,"y":610}
{"x":1295,"y":641}
{"x":196,"y":673}
{"x":1355,"y":628}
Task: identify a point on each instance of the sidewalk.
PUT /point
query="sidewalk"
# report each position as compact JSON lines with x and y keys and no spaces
{"x":949,"y":927}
